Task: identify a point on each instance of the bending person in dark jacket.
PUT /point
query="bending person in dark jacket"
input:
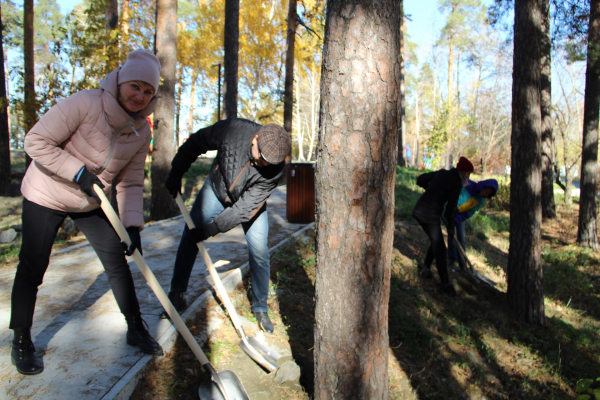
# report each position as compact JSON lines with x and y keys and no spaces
{"x":441,"y":187}
{"x":250,"y":163}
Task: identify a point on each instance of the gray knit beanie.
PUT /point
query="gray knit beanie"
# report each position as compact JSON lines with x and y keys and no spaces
{"x":142,"y":65}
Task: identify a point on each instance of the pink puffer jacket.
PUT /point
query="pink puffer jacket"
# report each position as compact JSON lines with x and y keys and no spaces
{"x":89,"y":129}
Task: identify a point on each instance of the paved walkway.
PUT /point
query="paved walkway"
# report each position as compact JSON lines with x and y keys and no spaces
{"x":78,"y":327}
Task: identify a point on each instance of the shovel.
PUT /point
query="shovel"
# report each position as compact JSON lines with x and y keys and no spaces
{"x":476,"y":274}
{"x":471,"y":272}
{"x":255,"y":348}
{"x":224,"y":385}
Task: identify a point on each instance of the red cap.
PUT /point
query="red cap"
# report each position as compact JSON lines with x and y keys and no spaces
{"x":464,"y":165}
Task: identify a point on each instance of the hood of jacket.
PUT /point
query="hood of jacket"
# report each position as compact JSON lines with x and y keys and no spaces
{"x":474,"y":188}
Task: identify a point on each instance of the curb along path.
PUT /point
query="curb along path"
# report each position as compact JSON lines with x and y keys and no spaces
{"x":78,"y":327}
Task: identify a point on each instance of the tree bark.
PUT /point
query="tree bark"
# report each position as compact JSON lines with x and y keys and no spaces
{"x":587,"y":234}
{"x":162,"y":204}
{"x":548,"y":205}
{"x":525,"y":274}
{"x":111,"y":14}
{"x":357,"y":155}
{"x":178,"y":104}
{"x":124,"y":30}
{"x":4,"y":131}
{"x":402,"y":124}
{"x":29,"y":100}
{"x":288,"y":89}
{"x":232,"y":33}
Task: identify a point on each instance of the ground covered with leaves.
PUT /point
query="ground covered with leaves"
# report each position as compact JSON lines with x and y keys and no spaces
{"x":467,"y":347}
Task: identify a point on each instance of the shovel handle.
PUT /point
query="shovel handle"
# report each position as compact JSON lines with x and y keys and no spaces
{"x":150,"y":278}
{"x":210,"y":266}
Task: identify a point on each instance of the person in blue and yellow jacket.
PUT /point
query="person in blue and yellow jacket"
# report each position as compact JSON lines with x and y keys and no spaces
{"x":472,"y":198}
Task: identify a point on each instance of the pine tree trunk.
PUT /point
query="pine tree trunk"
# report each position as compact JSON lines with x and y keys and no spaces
{"x":124,"y":30}
{"x":162,"y":204}
{"x":4,"y":131}
{"x":357,"y":155}
{"x":190,"y":122}
{"x":402,"y":124}
{"x":288,"y":94}
{"x":232,"y":33}
{"x":525,"y":274}
{"x":587,"y":234}
{"x":111,"y":14}
{"x":29,"y":100}
{"x":548,"y":206}
{"x":178,"y":104}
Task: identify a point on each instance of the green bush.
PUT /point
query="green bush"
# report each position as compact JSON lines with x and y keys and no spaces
{"x":481,"y":225}
{"x":586,"y":386}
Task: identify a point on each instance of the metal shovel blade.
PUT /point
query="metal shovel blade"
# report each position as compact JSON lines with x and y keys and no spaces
{"x":268,"y":354}
{"x":232,"y":386}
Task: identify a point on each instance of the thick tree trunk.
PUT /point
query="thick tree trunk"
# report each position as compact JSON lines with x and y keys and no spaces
{"x":124,"y":30}
{"x":548,"y":206}
{"x":402,"y":124}
{"x":162,"y":205}
{"x":525,"y":274}
{"x":288,"y":91}
{"x":4,"y":131}
{"x":111,"y":14}
{"x":587,"y":234}
{"x":190,"y":122}
{"x":178,"y":106}
{"x":232,"y":33}
{"x":357,"y":154}
{"x":29,"y":100}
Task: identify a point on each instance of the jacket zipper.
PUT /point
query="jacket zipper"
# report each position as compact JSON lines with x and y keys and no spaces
{"x":112,"y":143}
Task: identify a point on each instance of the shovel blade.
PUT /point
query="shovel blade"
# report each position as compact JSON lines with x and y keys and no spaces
{"x":268,"y":354}
{"x":232,"y":386}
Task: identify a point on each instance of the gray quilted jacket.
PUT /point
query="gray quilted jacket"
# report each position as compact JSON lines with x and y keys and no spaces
{"x":240,"y":187}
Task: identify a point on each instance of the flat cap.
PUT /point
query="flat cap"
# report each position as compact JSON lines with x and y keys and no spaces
{"x":274,"y":143}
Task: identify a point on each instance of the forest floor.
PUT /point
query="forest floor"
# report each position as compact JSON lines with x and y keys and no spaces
{"x":468,"y":347}
{"x":465,"y":347}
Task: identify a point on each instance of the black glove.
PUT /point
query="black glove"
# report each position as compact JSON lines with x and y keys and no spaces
{"x":86,"y":182}
{"x":204,"y":232}
{"x":173,"y":182}
{"x":136,"y":241}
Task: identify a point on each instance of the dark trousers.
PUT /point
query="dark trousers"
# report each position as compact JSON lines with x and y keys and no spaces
{"x":40,"y":226}
{"x":436,"y":249}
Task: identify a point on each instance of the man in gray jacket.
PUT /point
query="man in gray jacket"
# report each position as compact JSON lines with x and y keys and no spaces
{"x":250,"y":163}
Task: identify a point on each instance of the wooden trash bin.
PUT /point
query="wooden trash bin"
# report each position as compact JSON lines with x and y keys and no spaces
{"x":300,"y":198}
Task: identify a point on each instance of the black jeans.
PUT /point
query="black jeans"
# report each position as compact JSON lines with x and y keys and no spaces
{"x":436,"y":249}
{"x":40,"y":226}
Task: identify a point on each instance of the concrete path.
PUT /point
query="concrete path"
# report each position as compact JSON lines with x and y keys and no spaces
{"x":78,"y":327}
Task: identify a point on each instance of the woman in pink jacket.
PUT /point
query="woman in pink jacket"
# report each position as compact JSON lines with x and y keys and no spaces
{"x":97,"y":137}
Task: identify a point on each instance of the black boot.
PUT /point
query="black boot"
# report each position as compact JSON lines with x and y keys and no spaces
{"x":138,"y":335}
{"x":424,"y":272}
{"x":178,"y":302}
{"x":23,"y":354}
{"x":448,"y":289}
{"x":262,"y":318}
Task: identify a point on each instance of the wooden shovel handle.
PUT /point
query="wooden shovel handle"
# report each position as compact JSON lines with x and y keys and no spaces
{"x":210,"y":266}
{"x":150,"y":278}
